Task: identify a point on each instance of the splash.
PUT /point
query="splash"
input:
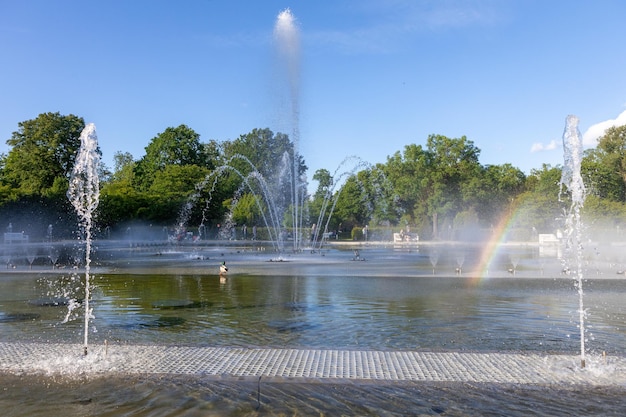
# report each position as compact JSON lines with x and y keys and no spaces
{"x":573,"y":181}
{"x":84,"y":194}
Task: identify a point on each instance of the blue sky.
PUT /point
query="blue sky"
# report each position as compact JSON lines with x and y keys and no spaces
{"x":375,"y":75}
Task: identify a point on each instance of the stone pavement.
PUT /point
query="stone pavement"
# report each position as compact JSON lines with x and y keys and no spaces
{"x":310,"y":364}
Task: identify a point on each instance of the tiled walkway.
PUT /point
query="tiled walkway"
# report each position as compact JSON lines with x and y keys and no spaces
{"x":310,"y":364}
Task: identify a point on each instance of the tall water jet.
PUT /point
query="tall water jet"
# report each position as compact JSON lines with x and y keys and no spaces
{"x":287,"y":37}
{"x":84,"y":194}
{"x":572,"y":179}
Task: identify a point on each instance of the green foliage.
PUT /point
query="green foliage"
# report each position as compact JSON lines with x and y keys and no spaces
{"x":177,"y":181}
{"x":246,"y":210}
{"x":539,"y":208}
{"x":439,"y":190}
{"x":322,"y":196}
{"x":269,"y":153}
{"x":119,"y":203}
{"x":351,"y":209}
{"x":42,"y":152}
{"x":356,"y":233}
{"x":451,"y":163}
{"x":604,"y":168}
{"x":175,"y":146}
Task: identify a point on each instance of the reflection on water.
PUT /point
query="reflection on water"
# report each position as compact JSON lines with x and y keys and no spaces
{"x":394,"y":300}
{"x":426,"y":313}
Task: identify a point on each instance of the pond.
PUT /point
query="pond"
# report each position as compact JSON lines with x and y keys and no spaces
{"x":355,"y":298}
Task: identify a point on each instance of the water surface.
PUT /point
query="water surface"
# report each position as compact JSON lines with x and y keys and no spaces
{"x":395,"y":299}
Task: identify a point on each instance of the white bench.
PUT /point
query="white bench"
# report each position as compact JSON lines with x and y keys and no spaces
{"x":407,"y":237}
{"x":548,"y":239}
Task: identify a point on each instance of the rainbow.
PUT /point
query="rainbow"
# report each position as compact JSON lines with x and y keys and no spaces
{"x":490,"y":249}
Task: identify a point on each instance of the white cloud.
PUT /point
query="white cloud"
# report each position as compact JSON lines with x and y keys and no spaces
{"x":590,"y":137}
{"x":540,"y":147}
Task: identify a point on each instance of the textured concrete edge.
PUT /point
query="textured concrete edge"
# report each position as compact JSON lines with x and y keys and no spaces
{"x":307,"y":365}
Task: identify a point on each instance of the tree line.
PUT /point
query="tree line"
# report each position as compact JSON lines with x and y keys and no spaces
{"x":438,"y":190}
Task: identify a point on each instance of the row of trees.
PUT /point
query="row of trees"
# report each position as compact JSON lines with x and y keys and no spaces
{"x":439,"y":190}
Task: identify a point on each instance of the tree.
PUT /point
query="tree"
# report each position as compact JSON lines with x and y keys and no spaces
{"x":351,"y":209}
{"x":405,"y":171}
{"x":322,"y":198}
{"x":612,"y":147}
{"x":177,"y":182}
{"x":124,"y":162}
{"x":42,"y":154}
{"x":451,"y":163}
{"x":325,"y":183}
{"x":538,"y":208}
{"x":604,"y":168}
{"x":175,"y":146}
{"x":264,"y":157}
{"x":246,"y":210}
{"x":499,"y":185}
{"x":265,"y":151}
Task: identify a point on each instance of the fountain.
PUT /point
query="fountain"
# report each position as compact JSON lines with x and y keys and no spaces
{"x":287,"y":38}
{"x":84,"y":193}
{"x":408,"y":334}
{"x":434,"y":258}
{"x":253,"y":182}
{"x":572,"y":179}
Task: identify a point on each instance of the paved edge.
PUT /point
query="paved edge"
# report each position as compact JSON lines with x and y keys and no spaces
{"x":310,"y":364}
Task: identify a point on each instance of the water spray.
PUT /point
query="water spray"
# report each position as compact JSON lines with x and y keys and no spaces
{"x":572,"y":179}
{"x":84,"y":194}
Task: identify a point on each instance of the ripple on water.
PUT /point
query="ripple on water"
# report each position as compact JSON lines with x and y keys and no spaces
{"x":26,"y":395}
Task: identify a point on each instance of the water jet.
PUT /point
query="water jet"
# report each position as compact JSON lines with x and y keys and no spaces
{"x":572,"y":179}
{"x":84,"y":193}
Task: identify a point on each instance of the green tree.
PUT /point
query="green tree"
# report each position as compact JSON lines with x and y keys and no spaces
{"x":604,"y":168}
{"x":265,"y":162}
{"x":322,"y":196}
{"x":177,"y":181}
{"x":246,"y":210}
{"x":119,"y":200}
{"x":270,"y":154}
{"x":352,"y":206}
{"x":452,"y":164}
{"x":538,"y":209}
{"x":499,"y":186}
{"x":124,"y":165}
{"x":175,"y":146}
{"x":407,"y":173}
{"x":42,"y":154}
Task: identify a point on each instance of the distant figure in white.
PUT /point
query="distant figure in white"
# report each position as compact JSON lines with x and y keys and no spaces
{"x":223,"y":268}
